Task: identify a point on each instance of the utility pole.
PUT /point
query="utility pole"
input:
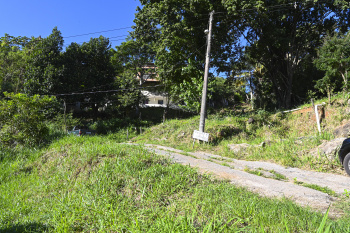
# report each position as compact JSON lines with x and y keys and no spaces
{"x":206,"y":72}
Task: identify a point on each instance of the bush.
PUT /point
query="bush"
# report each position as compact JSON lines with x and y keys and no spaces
{"x":65,"y":122}
{"x":22,"y":119}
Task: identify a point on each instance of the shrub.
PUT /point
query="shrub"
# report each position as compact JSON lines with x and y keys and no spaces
{"x":22,"y":119}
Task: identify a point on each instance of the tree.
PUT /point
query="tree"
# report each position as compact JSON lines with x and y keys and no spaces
{"x":88,"y":69}
{"x":283,"y":37}
{"x":130,"y":60}
{"x":12,"y":64}
{"x":280,"y":35}
{"x":176,"y":30}
{"x":223,"y":92}
{"x":334,"y":59}
{"x":43,"y":64}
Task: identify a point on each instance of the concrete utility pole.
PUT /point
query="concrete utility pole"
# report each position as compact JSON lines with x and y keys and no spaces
{"x":206,"y":72}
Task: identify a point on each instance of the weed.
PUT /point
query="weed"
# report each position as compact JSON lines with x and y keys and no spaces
{"x":346,"y":193}
{"x":226,"y":164}
{"x":278,"y":176}
{"x":315,"y":187}
{"x":254,"y":172}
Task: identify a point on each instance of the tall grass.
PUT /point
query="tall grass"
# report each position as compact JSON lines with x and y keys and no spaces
{"x":94,"y":184}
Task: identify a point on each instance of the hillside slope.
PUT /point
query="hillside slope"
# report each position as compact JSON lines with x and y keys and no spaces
{"x":287,"y":138}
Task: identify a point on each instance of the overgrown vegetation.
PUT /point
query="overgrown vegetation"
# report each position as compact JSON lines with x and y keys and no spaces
{"x":284,"y":138}
{"x":51,"y":182}
{"x":22,"y":119}
{"x":84,"y":184}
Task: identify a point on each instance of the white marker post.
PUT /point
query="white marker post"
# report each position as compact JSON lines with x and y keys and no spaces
{"x":317,"y":119}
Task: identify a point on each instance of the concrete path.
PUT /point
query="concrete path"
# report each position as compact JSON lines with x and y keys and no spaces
{"x":239,"y":173}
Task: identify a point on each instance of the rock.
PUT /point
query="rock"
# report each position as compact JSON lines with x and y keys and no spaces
{"x":250,"y":120}
{"x":342,"y":131}
{"x":329,"y":149}
{"x":299,"y":142}
{"x":237,"y":148}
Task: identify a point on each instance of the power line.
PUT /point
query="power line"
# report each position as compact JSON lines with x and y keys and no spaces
{"x":91,"y":33}
{"x":108,"y":91}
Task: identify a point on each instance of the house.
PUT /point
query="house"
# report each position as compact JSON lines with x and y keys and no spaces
{"x":149,"y":80}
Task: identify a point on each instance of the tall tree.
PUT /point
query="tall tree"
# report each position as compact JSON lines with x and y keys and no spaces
{"x":130,"y":60}
{"x":334,"y":59}
{"x":88,"y":69}
{"x":176,"y":29}
{"x":43,"y":63}
{"x":12,"y":64}
{"x":283,"y":36}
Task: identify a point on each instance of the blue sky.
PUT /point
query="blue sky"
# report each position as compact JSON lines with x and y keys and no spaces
{"x":74,"y":17}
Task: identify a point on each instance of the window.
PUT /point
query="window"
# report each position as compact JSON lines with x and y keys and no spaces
{"x":160,"y":101}
{"x":146,"y":76}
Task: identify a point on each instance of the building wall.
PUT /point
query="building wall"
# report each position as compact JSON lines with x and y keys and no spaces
{"x":155,"y":100}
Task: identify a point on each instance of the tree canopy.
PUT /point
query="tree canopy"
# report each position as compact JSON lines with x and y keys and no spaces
{"x":285,"y":46}
{"x":283,"y":36}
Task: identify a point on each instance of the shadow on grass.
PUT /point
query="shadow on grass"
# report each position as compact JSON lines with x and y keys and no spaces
{"x":29,"y":227}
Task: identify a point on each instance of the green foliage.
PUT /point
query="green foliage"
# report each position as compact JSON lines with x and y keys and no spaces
{"x":88,"y":68}
{"x":188,"y":94}
{"x":12,"y":63}
{"x":323,"y":228}
{"x":284,"y":43}
{"x":222,"y":92}
{"x":39,"y":66}
{"x":133,"y":62}
{"x":280,"y":44}
{"x":22,"y":119}
{"x":333,"y":59}
{"x":94,"y":184}
{"x":44,"y":68}
{"x":176,"y":31}
{"x":65,"y":122}
{"x":115,"y":125}
{"x":316,"y":187}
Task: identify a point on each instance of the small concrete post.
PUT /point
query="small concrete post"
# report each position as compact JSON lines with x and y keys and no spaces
{"x":317,"y":119}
